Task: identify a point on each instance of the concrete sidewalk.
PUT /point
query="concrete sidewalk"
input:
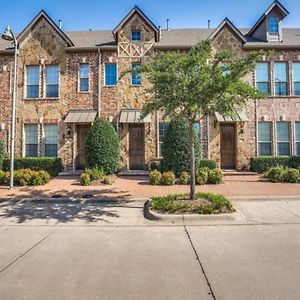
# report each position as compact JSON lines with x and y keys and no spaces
{"x":138,"y":187}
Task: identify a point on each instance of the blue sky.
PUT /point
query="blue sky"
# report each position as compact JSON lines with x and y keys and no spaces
{"x":100,"y":14}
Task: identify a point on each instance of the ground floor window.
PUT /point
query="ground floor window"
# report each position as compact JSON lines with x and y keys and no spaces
{"x":50,"y":132}
{"x":31,"y":140}
{"x":297,"y":138}
{"x":264,"y":138}
{"x":162,"y":132}
{"x":283,"y":138}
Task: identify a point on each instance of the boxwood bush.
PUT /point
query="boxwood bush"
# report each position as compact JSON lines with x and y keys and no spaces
{"x":103,"y":147}
{"x":261,"y":164}
{"x":53,"y":165}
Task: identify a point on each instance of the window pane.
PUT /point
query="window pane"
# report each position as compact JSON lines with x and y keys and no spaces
{"x":110,"y":74}
{"x":297,"y":131}
{"x":280,"y":71}
{"x":297,"y":88}
{"x":84,"y":71}
{"x":264,"y":149}
{"x":283,"y":131}
{"x":32,"y":91}
{"x":33,"y":75}
{"x":273,"y":25}
{"x":263,"y":87}
{"x":51,"y":150}
{"x":262,"y":72}
{"x":283,"y":148}
{"x":264,"y":132}
{"x":135,"y":75}
{"x":31,"y":150}
{"x":197,"y":128}
{"x":297,"y":148}
{"x":52,"y":74}
{"x":135,"y":35}
{"x":52,"y":91}
{"x":84,"y":84}
{"x":296,"y":71}
{"x":281,"y":88}
{"x":50,"y":134}
{"x":31,"y":140}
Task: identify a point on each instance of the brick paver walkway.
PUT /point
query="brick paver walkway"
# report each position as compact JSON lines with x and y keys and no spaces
{"x":138,"y":187}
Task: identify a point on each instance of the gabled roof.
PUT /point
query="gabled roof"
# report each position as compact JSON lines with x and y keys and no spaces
{"x":42,"y":14}
{"x":227,"y":22}
{"x":136,"y":9}
{"x":277,"y":4}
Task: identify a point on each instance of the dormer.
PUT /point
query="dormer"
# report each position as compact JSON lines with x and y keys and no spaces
{"x":269,"y":26}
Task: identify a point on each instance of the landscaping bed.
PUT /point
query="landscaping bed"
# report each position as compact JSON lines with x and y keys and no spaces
{"x":205,"y":203}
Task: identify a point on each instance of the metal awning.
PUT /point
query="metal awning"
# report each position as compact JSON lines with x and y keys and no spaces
{"x":81,"y":116}
{"x":240,"y":117}
{"x":133,"y":116}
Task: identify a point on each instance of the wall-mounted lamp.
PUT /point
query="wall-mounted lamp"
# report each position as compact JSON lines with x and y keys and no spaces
{"x":69,"y":132}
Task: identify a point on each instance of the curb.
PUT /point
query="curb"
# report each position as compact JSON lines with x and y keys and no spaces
{"x":264,"y":198}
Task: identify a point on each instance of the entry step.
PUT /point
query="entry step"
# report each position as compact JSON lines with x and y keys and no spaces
{"x":133,"y":173}
{"x":238,"y":173}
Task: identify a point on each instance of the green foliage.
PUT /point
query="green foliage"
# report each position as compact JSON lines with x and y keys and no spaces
{"x":202,"y":176}
{"x":1,"y":153}
{"x":208,"y":163}
{"x":168,"y":178}
{"x":4,"y":177}
{"x":53,"y":165}
{"x":25,"y":177}
{"x":102,"y":147}
{"x":261,"y":164}
{"x":215,"y":176}
{"x":184,"y":178}
{"x":177,"y":203}
{"x":155,"y":177}
{"x":106,"y":180}
{"x":176,"y":147}
{"x":85,"y":179}
{"x":282,"y":174}
{"x":95,"y":173}
{"x":291,"y":175}
{"x":157,"y":164}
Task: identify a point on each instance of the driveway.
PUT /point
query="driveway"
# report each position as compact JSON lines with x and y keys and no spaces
{"x":109,"y":251}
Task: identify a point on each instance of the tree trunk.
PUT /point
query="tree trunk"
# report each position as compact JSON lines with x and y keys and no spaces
{"x":192,"y":161}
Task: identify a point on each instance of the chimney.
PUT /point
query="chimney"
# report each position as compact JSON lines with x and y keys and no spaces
{"x":59,"y":24}
{"x":208,"y":24}
{"x":168,"y":24}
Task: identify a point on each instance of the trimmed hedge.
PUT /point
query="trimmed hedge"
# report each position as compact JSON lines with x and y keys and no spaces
{"x":208,"y":163}
{"x":53,"y":165}
{"x":261,"y":164}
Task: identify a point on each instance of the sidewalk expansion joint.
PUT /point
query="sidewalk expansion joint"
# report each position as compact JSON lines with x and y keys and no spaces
{"x":211,"y":292}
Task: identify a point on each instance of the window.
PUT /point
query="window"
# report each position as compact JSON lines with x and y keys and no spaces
{"x":283,"y":138}
{"x":32,"y":81}
{"x":280,"y":77}
{"x":135,"y":74}
{"x":31,"y":140}
{"x":110,"y":74}
{"x":162,"y":132}
{"x":52,"y":78}
{"x":50,"y":140}
{"x":264,"y":138}
{"x":135,"y":36}
{"x":84,"y":78}
{"x":273,"y":25}
{"x":262,"y":77}
{"x":296,"y":78}
{"x":297,"y":138}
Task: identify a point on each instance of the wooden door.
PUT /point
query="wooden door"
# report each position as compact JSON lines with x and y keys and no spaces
{"x":228,"y":146}
{"x":136,"y":147}
{"x":82,"y":131}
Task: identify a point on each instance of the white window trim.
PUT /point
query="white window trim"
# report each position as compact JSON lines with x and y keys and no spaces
{"x":25,"y":82}
{"x":295,"y":140}
{"x":269,"y":142}
{"x":44,"y":135}
{"x":269,"y":75}
{"x":135,"y":85}
{"x":287,"y":79}
{"x":79,"y":78}
{"x":292,"y":75}
{"x":287,"y":141}
{"x":45,"y":82}
{"x":104,"y":73}
{"x":269,"y":27}
{"x":24,"y":139}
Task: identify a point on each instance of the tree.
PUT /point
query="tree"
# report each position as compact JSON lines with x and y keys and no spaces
{"x":198,"y":83}
{"x":176,"y":145}
{"x":102,"y":147}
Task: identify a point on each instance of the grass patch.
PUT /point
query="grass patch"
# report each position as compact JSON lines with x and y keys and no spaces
{"x":205,"y":203}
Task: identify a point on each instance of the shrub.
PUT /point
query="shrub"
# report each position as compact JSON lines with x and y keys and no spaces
{"x":275,"y":174}
{"x":208,"y":163}
{"x":1,"y":153}
{"x":95,"y":174}
{"x":294,"y":162}
{"x":184,"y":178}
{"x":40,"y":178}
{"x":106,"y":180}
{"x":25,"y":177}
{"x":85,"y":179}
{"x":261,"y":164}
{"x":155,"y":177}
{"x":102,"y":147}
{"x":215,"y":176}
{"x":291,"y":175}
{"x":201,"y":176}
{"x":4,"y":177}
{"x":175,"y":151}
{"x":168,"y":178}
{"x":53,"y":165}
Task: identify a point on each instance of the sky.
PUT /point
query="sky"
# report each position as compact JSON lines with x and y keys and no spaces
{"x":100,"y":14}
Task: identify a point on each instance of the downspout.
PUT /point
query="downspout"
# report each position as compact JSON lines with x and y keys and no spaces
{"x":208,"y":136}
{"x":256,"y":128}
{"x":99,"y":82}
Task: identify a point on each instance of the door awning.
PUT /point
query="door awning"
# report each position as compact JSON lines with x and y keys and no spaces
{"x":133,"y":116}
{"x":240,"y":117}
{"x":81,"y":116}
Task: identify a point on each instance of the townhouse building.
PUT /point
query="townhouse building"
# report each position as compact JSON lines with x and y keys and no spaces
{"x":66,"y":79}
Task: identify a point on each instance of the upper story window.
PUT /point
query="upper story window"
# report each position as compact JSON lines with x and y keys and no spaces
{"x":280,"y":78}
{"x":135,"y":36}
{"x":262,"y":77}
{"x":264,"y":138}
{"x":32,"y":81}
{"x":274,"y":25}
{"x":84,"y":77}
{"x":50,"y":131}
{"x":283,"y":138}
{"x":296,"y":78}
{"x":135,"y":74}
{"x":31,"y":140}
{"x":110,"y":74}
{"x":52,"y":81}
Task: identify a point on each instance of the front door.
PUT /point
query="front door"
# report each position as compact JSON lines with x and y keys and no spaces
{"x":82,"y":131}
{"x":136,"y":147}
{"x":228,"y":146}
